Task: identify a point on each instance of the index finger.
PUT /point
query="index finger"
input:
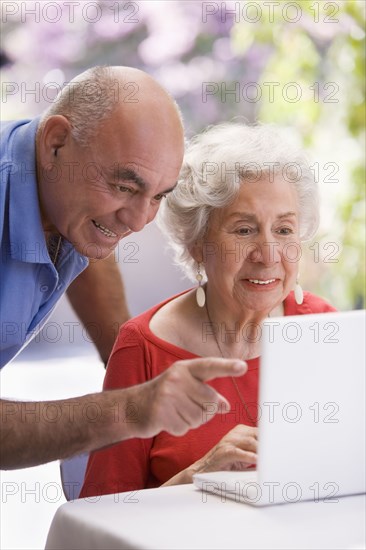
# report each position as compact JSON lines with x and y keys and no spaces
{"x":208,"y":368}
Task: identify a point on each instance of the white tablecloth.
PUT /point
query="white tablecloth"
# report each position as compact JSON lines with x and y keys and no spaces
{"x":183,"y":517}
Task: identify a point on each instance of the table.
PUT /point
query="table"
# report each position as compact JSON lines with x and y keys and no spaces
{"x":182,"y":517}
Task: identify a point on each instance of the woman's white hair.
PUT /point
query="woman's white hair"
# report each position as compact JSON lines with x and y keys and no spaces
{"x":86,"y":101}
{"x":215,"y":165}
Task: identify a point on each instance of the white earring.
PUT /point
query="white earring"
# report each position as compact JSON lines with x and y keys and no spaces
{"x":200,"y":292}
{"x":298,"y":292}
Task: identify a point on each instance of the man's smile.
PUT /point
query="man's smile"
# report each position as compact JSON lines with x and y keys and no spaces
{"x":107,"y":232}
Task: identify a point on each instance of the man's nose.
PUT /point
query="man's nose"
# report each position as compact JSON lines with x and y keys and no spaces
{"x":136,"y":215}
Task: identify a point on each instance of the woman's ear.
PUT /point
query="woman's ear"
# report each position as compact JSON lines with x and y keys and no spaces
{"x":196,"y":251}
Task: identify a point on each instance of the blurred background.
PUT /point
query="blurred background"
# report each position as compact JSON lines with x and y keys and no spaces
{"x":298,"y":64}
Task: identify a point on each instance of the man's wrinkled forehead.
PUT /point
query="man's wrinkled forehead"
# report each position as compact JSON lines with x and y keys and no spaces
{"x":122,"y":174}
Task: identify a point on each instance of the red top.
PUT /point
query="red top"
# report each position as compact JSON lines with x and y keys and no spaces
{"x":139,"y":355}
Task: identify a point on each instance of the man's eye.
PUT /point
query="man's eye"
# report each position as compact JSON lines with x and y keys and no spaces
{"x":159,"y":197}
{"x":123,"y":189}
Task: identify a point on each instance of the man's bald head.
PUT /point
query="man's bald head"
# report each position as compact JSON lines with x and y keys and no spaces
{"x":100,"y":93}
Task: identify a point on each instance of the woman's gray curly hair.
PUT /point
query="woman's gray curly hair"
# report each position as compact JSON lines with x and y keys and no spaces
{"x":215,"y":165}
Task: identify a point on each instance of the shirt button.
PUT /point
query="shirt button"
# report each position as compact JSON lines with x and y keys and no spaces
{"x":44,"y":288}
{"x":59,"y":287}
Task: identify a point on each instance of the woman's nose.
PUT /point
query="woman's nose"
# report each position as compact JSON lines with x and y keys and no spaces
{"x":265,"y":251}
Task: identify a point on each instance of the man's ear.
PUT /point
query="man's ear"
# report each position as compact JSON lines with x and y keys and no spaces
{"x":53,"y":136}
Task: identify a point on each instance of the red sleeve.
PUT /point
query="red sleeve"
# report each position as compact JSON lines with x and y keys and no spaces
{"x":311,"y":304}
{"x":126,"y":465}
{"x":318,"y":304}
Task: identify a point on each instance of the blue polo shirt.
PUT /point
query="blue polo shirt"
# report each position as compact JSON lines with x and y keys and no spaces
{"x":30,"y":285}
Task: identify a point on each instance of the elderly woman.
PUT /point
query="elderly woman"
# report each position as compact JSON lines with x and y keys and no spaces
{"x":244,"y":202}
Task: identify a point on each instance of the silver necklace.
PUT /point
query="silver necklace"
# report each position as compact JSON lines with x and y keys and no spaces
{"x":252,"y":420}
{"x":54,"y":248}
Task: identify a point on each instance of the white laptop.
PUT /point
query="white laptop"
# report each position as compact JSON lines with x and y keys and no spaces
{"x":311,"y":440}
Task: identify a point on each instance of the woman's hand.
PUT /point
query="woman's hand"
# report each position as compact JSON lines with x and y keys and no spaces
{"x":237,"y":450}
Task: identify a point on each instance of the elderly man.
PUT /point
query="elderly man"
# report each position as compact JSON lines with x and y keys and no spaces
{"x":90,"y":171}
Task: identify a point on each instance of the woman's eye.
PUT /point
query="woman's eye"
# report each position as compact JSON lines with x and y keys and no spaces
{"x":244,"y":231}
{"x":285,"y":231}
